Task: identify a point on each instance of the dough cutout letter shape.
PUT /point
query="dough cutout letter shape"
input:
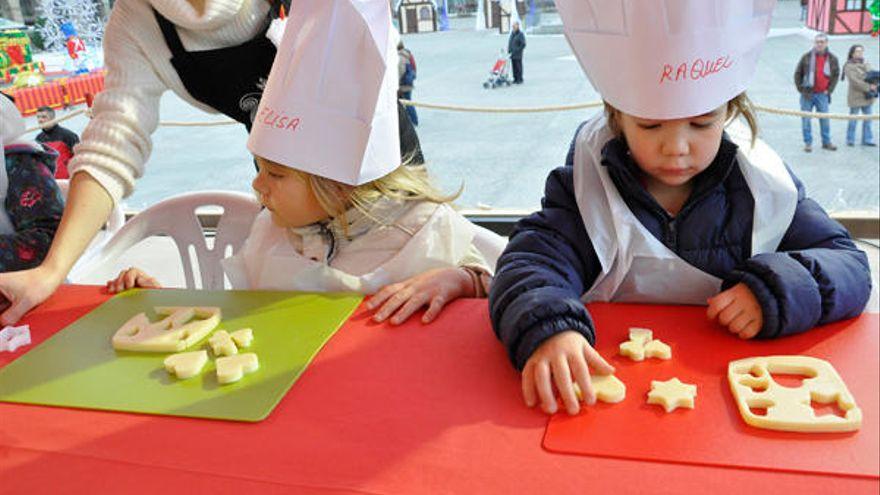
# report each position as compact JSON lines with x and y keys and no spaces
{"x":186,"y":364}
{"x":232,"y":368}
{"x":180,"y":328}
{"x":608,"y":389}
{"x":763,"y":403}
{"x":641,"y":344}
{"x":672,"y":394}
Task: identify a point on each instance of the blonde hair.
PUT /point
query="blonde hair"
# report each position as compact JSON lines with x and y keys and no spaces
{"x":405,"y":183}
{"x":739,"y":106}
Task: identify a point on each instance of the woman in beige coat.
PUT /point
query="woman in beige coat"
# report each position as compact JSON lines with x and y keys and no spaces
{"x":858,"y":98}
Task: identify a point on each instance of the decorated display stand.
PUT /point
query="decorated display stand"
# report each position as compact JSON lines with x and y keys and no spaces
{"x":841,"y":16}
{"x":500,"y":14}
{"x":73,"y":28}
{"x":417,"y":16}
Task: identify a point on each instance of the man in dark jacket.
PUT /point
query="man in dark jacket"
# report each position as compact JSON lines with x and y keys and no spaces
{"x":59,"y":139}
{"x":816,"y":76}
{"x":515,"y":47}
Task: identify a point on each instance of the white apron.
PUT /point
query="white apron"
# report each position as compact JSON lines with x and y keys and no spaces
{"x":636,"y":266}
{"x":268,"y":261}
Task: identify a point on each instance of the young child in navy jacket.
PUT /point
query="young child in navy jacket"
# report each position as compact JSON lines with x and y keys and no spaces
{"x":667,"y":197}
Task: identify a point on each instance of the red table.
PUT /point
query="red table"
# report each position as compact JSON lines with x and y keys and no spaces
{"x":381,"y":410}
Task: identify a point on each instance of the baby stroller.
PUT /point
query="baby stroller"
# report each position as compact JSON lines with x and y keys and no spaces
{"x":500,"y":73}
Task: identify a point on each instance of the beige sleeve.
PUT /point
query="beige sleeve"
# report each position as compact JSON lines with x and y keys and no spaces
{"x":116,"y":143}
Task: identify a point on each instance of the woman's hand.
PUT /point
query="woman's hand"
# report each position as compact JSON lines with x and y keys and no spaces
{"x":434,"y":288}
{"x":25,"y":289}
{"x":131,"y":278}
{"x":563,"y":360}
{"x":738,"y":310}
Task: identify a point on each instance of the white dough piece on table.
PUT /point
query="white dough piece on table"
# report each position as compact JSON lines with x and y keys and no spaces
{"x":608,"y":388}
{"x":642,"y":335}
{"x":672,"y":394}
{"x":658,"y":349}
{"x":633,"y":350}
{"x":180,"y":328}
{"x":786,"y":408}
{"x":221,"y":343}
{"x":186,"y":364}
{"x":243,"y":337}
{"x":232,"y":368}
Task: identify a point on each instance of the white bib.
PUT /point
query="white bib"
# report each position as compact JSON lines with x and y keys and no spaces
{"x":268,"y":261}
{"x":636,"y":266}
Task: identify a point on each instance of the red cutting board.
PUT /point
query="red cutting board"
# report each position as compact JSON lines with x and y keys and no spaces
{"x":713,"y":433}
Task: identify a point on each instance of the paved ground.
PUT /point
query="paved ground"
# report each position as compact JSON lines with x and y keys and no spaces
{"x":503,"y":159}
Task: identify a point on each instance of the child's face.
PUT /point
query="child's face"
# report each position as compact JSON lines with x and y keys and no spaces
{"x":287,"y":195}
{"x":672,"y":152}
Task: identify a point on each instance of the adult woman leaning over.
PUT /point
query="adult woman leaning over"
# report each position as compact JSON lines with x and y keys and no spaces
{"x":151,"y":46}
{"x":860,"y":95}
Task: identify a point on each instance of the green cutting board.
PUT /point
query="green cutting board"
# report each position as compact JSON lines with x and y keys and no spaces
{"x":78,"y":367}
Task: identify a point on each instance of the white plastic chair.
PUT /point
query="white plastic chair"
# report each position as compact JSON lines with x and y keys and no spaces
{"x":176,"y":218}
{"x":114,"y":223}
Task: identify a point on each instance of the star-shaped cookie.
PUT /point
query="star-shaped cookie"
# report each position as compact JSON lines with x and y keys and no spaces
{"x":672,"y":394}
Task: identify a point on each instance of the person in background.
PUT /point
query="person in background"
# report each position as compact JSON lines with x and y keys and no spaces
{"x":860,"y":94}
{"x":60,"y":139}
{"x":816,"y":77}
{"x":516,"y":45}
{"x":406,"y":70}
{"x":30,"y":201}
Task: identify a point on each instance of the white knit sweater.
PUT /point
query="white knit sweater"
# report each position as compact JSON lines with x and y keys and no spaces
{"x":117,"y":142}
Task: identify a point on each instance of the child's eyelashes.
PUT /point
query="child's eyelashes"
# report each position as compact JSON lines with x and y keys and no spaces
{"x":648,"y":127}
{"x":702,"y":125}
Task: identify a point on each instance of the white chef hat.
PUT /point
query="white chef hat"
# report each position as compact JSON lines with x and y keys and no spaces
{"x":667,"y":59}
{"x":330,"y":104}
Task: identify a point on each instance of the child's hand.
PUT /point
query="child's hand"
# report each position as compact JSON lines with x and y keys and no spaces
{"x":130,"y":278}
{"x":555,"y":362}
{"x":434,"y":288}
{"x":738,"y":310}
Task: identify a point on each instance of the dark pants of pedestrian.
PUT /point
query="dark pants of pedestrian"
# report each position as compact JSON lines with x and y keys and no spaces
{"x":517,"y":70}
{"x":410,"y":110}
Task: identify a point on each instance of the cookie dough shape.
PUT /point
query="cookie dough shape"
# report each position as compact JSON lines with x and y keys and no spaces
{"x":608,"y":389}
{"x":641,"y":344}
{"x":186,"y":364}
{"x":672,"y":394}
{"x":790,"y":409}
{"x":232,"y":368}
{"x":243,"y":337}
{"x":221,"y":344}
{"x":180,"y":328}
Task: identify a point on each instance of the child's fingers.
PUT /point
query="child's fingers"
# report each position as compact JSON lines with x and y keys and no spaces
{"x":130,"y":279}
{"x":562,"y":378}
{"x":148,"y":282}
{"x":437,"y":304}
{"x":412,"y":305}
{"x":751,"y":329}
{"x":545,"y":387}
{"x":741,"y":322}
{"x":581,"y":373}
{"x":730,"y":313}
{"x":391,"y":305}
{"x":382,"y":295}
{"x":718,"y":303}
{"x":528,"y":384}
{"x":597,"y":362}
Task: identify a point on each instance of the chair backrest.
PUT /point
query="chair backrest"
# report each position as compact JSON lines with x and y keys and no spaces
{"x":176,"y":217}
{"x":114,"y":223}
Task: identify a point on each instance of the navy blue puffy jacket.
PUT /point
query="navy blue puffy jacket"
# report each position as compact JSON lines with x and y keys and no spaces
{"x":817,"y":275}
